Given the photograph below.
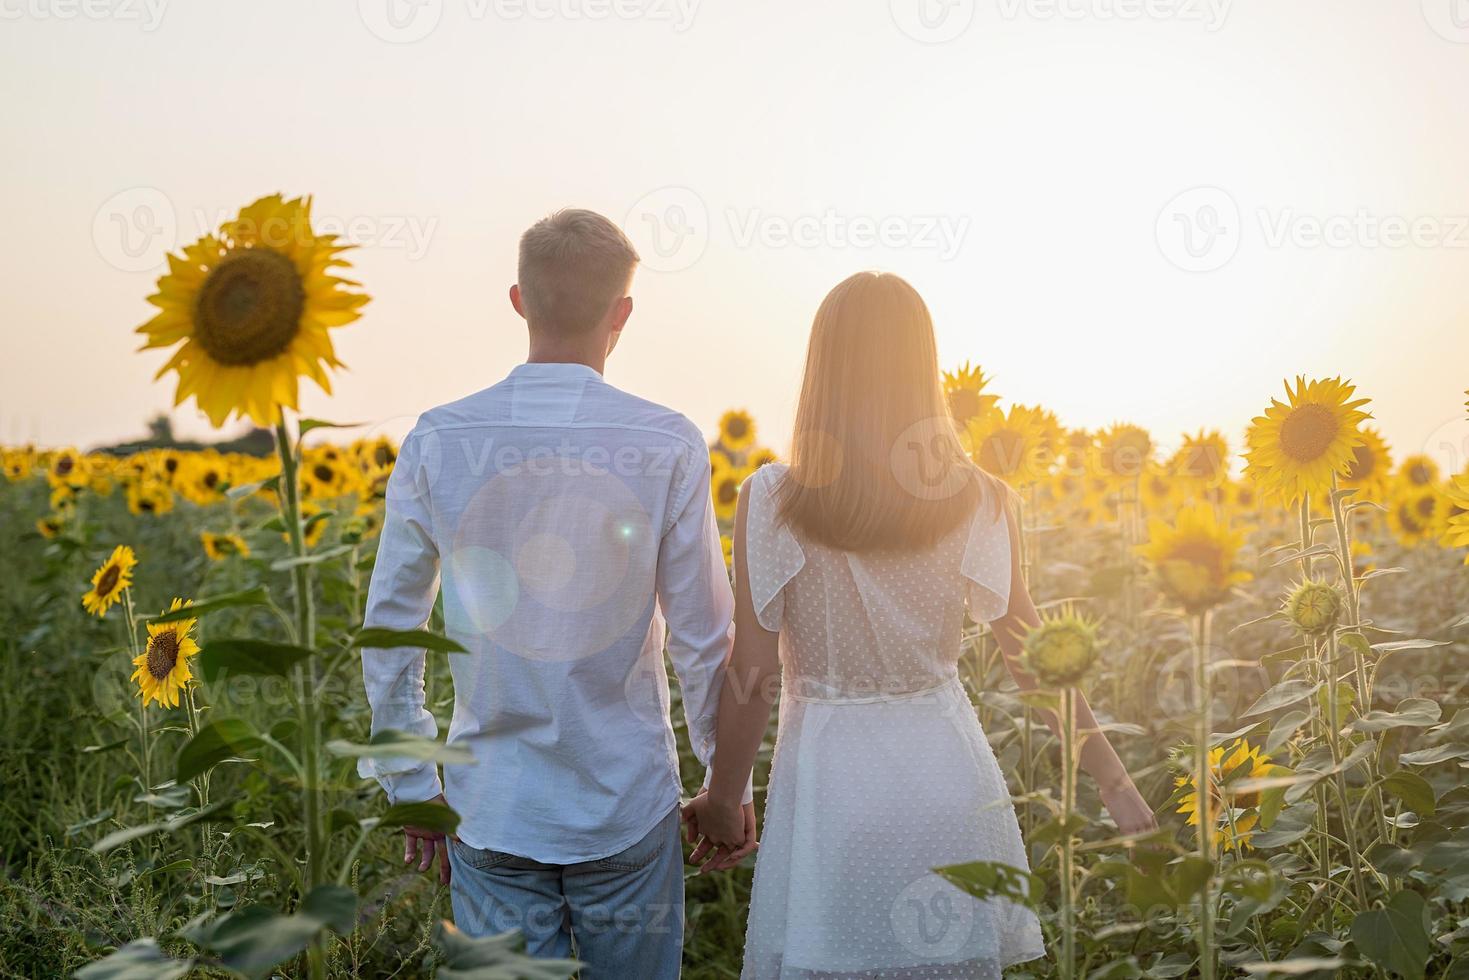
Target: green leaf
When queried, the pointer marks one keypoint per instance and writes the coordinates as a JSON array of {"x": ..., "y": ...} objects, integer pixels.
[
  {"x": 429, "y": 815},
  {"x": 385, "y": 639},
  {"x": 1282, "y": 694},
  {"x": 254, "y": 939},
  {"x": 272, "y": 484},
  {"x": 307, "y": 425},
  {"x": 169, "y": 826},
  {"x": 1395, "y": 937},
  {"x": 1285, "y": 726},
  {"x": 260, "y": 658},
  {"x": 1413, "y": 790},
  {"x": 1295, "y": 966},
  {"x": 1399, "y": 645},
  {"x": 1410, "y": 713},
  {"x": 257, "y": 596},
  {"x": 393, "y": 744},
  {"x": 992, "y": 879},
  {"x": 221, "y": 739},
  {"x": 141, "y": 959},
  {"x": 315, "y": 558},
  {"x": 499, "y": 957}
]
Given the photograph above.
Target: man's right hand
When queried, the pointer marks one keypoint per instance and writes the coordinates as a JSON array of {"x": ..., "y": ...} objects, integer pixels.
[
  {"x": 422, "y": 845},
  {"x": 725, "y": 833}
]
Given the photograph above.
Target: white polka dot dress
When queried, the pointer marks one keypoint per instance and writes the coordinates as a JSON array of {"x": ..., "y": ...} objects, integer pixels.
[{"x": 881, "y": 771}]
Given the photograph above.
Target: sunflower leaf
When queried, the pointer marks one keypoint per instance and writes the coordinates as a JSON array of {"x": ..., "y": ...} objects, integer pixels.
[
  {"x": 1282, "y": 694},
  {"x": 1396, "y": 937},
  {"x": 306, "y": 425},
  {"x": 217, "y": 741},
  {"x": 428, "y": 815},
  {"x": 315, "y": 558},
  {"x": 1413, "y": 790},
  {"x": 141, "y": 959},
  {"x": 257, "y": 596},
  {"x": 393, "y": 744},
  {"x": 260, "y": 658},
  {"x": 385, "y": 639}
]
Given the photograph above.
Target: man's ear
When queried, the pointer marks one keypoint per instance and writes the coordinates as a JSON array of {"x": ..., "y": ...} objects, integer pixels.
[
  {"x": 618, "y": 320},
  {"x": 516, "y": 301}
]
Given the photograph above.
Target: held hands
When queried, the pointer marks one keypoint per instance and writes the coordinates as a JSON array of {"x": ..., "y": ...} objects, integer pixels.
[
  {"x": 723, "y": 832},
  {"x": 427, "y": 844},
  {"x": 1129, "y": 810}
]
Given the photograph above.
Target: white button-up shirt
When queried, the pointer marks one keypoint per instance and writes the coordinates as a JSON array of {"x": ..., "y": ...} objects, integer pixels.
[{"x": 569, "y": 523}]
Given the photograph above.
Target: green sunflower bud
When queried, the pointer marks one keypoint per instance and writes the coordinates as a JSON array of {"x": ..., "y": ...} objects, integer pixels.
[
  {"x": 1314, "y": 607},
  {"x": 1061, "y": 649}
]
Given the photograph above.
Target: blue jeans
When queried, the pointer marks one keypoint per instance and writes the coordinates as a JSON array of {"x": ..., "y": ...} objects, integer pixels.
[{"x": 624, "y": 913}]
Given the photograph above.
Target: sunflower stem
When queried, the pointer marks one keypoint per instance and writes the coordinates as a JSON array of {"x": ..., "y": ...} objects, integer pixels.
[
  {"x": 306, "y": 680},
  {"x": 1068, "y": 842},
  {"x": 127, "y": 599},
  {"x": 1203, "y": 781}
]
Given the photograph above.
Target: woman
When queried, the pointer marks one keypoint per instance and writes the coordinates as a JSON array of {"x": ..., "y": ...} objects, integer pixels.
[{"x": 859, "y": 561}]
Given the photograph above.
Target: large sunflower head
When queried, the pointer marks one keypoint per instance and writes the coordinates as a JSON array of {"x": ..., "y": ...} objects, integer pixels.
[
  {"x": 67, "y": 468},
  {"x": 1456, "y": 525},
  {"x": 110, "y": 581},
  {"x": 1298, "y": 446},
  {"x": 1202, "y": 460},
  {"x": 964, "y": 391},
  {"x": 1018, "y": 446},
  {"x": 1418, "y": 471},
  {"x": 1194, "y": 558},
  {"x": 18, "y": 465},
  {"x": 1415, "y": 514},
  {"x": 1236, "y": 810},
  {"x": 736, "y": 430},
  {"x": 251, "y": 307},
  {"x": 726, "y": 491},
  {"x": 163, "y": 667},
  {"x": 149, "y": 496}
]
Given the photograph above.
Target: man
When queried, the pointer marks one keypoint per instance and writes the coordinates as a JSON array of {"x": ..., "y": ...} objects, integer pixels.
[{"x": 568, "y": 523}]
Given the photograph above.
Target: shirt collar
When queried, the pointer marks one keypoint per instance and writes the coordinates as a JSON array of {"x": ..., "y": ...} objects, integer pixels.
[{"x": 547, "y": 369}]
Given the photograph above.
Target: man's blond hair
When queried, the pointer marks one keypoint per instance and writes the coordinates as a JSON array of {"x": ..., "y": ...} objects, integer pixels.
[{"x": 573, "y": 266}]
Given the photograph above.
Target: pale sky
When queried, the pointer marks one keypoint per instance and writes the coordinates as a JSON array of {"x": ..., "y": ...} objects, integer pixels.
[{"x": 1141, "y": 210}]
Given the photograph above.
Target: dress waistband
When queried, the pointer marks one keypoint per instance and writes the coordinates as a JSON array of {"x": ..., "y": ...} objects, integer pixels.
[{"x": 951, "y": 683}]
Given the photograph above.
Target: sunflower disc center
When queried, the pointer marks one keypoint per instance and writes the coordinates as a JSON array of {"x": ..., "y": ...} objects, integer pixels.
[
  {"x": 1308, "y": 433},
  {"x": 108, "y": 581},
  {"x": 1363, "y": 463},
  {"x": 249, "y": 308},
  {"x": 163, "y": 653}
]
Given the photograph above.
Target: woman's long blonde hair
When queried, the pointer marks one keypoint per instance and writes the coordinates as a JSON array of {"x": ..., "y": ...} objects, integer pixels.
[{"x": 876, "y": 462}]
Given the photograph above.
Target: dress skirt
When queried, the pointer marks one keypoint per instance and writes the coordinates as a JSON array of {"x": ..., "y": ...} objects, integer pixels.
[{"x": 866, "y": 796}]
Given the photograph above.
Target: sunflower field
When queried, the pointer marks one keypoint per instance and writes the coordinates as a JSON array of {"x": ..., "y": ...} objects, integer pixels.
[{"x": 1273, "y": 635}]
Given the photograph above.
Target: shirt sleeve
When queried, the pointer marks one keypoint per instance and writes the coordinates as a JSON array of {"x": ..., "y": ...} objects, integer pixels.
[
  {"x": 697, "y": 603},
  {"x": 405, "y": 583}
]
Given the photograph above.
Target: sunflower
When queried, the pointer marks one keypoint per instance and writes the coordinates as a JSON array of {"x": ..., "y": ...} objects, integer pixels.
[
  {"x": 1296, "y": 447},
  {"x": 149, "y": 497},
  {"x": 1370, "y": 467},
  {"x": 964, "y": 391},
  {"x": 760, "y": 457},
  {"x": 1061, "y": 649},
  {"x": 67, "y": 468},
  {"x": 221, "y": 546},
  {"x": 1018, "y": 447},
  {"x": 1418, "y": 471},
  {"x": 1241, "y": 761},
  {"x": 1414, "y": 514},
  {"x": 252, "y": 306},
  {"x": 736, "y": 430},
  {"x": 163, "y": 668},
  {"x": 324, "y": 476},
  {"x": 1456, "y": 526},
  {"x": 1203, "y": 459},
  {"x": 1160, "y": 492},
  {"x": 375, "y": 455},
  {"x": 1313, "y": 607},
  {"x": 110, "y": 581},
  {"x": 50, "y": 526},
  {"x": 1195, "y": 558},
  {"x": 1123, "y": 451},
  {"x": 1078, "y": 446},
  {"x": 203, "y": 478},
  {"x": 719, "y": 461},
  {"x": 17, "y": 465},
  {"x": 726, "y": 491}
]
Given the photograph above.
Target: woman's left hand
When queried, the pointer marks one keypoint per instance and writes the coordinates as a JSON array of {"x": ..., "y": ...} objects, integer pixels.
[
  {"x": 1129, "y": 810},
  {"x": 725, "y": 832}
]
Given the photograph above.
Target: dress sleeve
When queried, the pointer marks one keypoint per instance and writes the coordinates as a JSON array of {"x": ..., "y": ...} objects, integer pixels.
[
  {"x": 773, "y": 556},
  {"x": 986, "y": 564}
]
